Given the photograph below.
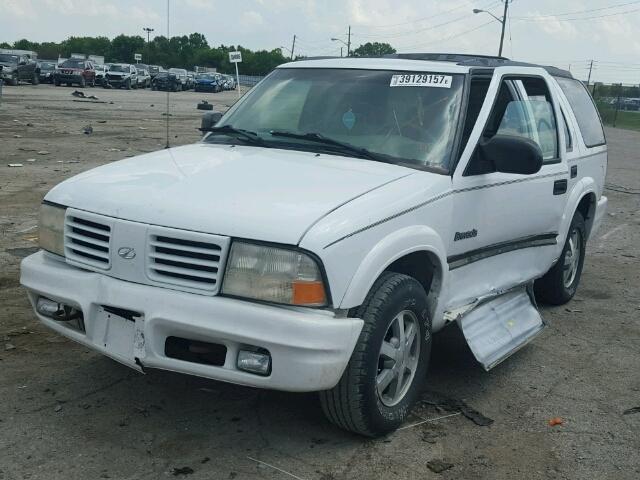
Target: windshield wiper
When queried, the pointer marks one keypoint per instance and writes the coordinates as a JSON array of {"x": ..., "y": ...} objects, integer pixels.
[
  {"x": 342, "y": 146},
  {"x": 247, "y": 135}
]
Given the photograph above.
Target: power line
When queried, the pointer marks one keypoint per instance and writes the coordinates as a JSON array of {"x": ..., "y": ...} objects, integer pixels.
[
  {"x": 579, "y": 12},
  {"x": 451, "y": 37},
  {"x": 417, "y": 20},
  {"x": 547, "y": 18},
  {"x": 419, "y": 30}
]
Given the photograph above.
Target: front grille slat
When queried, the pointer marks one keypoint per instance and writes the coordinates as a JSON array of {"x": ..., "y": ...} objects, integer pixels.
[
  {"x": 88, "y": 241},
  {"x": 187, "y": 259}
]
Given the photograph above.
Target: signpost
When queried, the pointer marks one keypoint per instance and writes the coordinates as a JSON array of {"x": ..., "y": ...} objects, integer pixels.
[
  {"x": 236, "y": 57},
  {"x": 137, "y": 57}
]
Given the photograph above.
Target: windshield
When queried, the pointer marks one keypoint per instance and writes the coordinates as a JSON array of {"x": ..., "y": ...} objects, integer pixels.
[
  {"x": 73, "y": 63},
  {"x": 8, "y": 58},
  {"x": 119, "y": 68},
  {"x": 178, "y": 71},
  {"x": 205, "y": 76},
  {"x": 47, "y": 65},
  {"x": 408, "y": 117}
]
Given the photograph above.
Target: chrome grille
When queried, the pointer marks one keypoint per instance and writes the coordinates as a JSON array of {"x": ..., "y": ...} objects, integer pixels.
[
  {"x": 88, "y": 242},
  {"x": 186, "y": 259}
]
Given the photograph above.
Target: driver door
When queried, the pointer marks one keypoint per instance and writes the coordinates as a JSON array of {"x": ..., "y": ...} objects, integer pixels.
[{"x": 505, "y": 225}]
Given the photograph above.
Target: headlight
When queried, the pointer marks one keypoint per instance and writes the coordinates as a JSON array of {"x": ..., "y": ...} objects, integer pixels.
[
  {"x": 274, "y": 274},
  {"x": 51, "y": 228}
]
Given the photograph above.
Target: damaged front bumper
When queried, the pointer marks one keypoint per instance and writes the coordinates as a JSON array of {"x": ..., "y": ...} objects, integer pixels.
[{"x": 137, "y": 325}]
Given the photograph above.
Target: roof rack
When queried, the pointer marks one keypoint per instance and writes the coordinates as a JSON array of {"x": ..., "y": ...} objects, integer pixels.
[
  {"x": 486, "y": 61},
  {"x": 483, "y": 61}
]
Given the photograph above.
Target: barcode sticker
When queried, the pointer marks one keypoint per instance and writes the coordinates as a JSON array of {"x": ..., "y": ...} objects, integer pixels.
[{"x": 421, "y": 80}]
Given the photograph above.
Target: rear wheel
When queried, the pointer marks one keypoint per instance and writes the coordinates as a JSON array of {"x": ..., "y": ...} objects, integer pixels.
[
  {"x": 35, "y": 80},
  {"x": 83, "y": 82},
  {"x": 388, "y": 366},
  {"x": 14, "y": 80},
  {"x": 127, "y": 85},
  {"x": 560, "y": 283}
]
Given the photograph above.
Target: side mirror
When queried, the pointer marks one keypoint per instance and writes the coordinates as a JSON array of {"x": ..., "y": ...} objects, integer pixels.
[
  {"x": 512, "y": 154},
  {"x": 209, "y": 120}
]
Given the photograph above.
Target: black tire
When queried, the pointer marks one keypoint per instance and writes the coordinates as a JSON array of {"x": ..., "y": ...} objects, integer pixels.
[
  {"x": 127, "y": 85},
  {"x": 36, "y": 79},
  {"x": 354, "y": 404},
  {"x": 14, "y": 80},
  {"x": 553, "y": 287},
  {"x": 83, "y": 82}
]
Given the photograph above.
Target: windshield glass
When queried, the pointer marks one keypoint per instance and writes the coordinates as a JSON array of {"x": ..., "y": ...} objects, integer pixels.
[
  {"x": 73, "y": 63},
  {"x": 47, "y": 65},
  {"x": 205, "y": 76},
  {"x": 8, "y": 58},
  {"x": 119, "y": 68},
  {"x": 408, "y": 117}
]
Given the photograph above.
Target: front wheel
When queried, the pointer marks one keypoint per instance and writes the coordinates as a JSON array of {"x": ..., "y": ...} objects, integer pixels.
[
  {"x": 83, "y": 82},
  {"x": 35, "y": 79},
  {"x": 560, "y": 283},
  {"x": 389, "y": 363}
]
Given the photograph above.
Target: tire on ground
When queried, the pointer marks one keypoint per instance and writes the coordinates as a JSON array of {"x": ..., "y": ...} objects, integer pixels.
[
  {"x": 551, "y": 288},
  {"x": 354, "y": 403}
]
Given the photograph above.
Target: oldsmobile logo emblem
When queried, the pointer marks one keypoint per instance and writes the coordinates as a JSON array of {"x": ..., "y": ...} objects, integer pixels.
[{"x": 127, "y": 252}]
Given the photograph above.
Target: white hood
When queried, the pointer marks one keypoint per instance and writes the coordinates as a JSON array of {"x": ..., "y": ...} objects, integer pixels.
[{"x": 247, "y": 192}]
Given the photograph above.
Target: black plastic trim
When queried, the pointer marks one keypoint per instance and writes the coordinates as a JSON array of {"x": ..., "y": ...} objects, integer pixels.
[{"x": 457, "y": 261}]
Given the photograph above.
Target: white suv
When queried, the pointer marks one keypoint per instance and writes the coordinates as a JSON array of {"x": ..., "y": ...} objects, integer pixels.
[{"x": 337, "y": 216}]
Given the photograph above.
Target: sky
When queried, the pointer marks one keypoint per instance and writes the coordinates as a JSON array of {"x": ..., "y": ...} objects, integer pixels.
[{"x": 567, "y": 34}]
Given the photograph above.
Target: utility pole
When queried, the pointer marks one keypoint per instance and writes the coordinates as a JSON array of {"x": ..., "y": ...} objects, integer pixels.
[
  {"x": 504, "y": 23},
  {"x": 349, "y": 42},
  {"x": 148, "y": 30},
  {"x": 341, "y": 51},
  {"x": 590, "y": 69},
  {"x": 293, "y": 46}
]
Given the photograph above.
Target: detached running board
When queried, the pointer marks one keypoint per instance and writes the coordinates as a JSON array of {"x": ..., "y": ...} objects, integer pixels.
[{"x": 498, "y": 327}]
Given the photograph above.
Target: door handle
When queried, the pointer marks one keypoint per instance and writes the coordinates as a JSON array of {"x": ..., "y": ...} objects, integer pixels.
[
  {"x": 574, "y": 171},
  {"x": 560, "y": 187}
]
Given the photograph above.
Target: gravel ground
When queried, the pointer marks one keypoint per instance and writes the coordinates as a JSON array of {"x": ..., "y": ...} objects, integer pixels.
[{"x": 68, "y": 413}]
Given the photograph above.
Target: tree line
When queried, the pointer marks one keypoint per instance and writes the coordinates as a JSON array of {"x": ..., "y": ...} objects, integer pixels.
[{"x": 186, "y": 51}]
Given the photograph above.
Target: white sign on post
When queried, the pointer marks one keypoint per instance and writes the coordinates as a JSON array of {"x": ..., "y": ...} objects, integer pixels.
[
  {"x": 137, "y": 57},
  {"x": 236, "y": 57}
]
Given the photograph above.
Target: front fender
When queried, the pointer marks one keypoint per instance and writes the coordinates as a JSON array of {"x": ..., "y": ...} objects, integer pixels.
[{"x": 389, "y": 249}]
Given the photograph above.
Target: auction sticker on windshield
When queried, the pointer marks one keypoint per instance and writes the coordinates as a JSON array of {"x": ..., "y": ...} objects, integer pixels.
[{"x": 421, "y": 80}]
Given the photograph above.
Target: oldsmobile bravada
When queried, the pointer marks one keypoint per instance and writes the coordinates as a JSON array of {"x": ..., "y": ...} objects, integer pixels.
[{"x": 334, "y": 219}]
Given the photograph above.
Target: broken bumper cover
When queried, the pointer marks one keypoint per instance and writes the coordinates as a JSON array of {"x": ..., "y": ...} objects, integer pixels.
[{"x": 309, "y": 348}]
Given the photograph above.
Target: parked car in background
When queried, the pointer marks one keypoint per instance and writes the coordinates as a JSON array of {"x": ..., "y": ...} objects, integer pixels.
[
  {"x": 75, "y": 71},
  {"x": 208, "y": 82},
  {"x": 101, "y": 71},
  {"x": 165, "y": 81},
  {"x": 181, "y": 76},
  {"x": 144, "y": 77},
  {"x": 191, "y": 79},
  {"x": 121, "y": 75},
  {"x": 155, "y": 70},
  {"x": 16, "y": 68},
  {"x": 47, "y": 70},
  {"x": 229, "y": 82}
]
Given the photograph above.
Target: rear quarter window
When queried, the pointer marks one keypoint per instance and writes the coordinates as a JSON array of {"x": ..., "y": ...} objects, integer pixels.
[{"x": 584, "y": 110}]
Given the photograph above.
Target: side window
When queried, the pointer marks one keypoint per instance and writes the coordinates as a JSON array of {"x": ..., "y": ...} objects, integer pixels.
[
  {"x": 524, "y": 108},
  {"x": 584, "y": 110}
]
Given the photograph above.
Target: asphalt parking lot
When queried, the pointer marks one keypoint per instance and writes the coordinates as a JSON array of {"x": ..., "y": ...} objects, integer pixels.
[{"x": 68, "y": 413}]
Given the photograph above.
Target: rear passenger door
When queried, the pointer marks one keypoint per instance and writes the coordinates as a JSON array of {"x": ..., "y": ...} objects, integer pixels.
[{"x": 505, "y": 226}]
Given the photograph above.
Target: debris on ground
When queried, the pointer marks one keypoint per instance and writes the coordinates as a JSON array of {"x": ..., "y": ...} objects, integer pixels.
[
  {"x": 631, "y": 411},
  {"x": 204, "y": 105},
  {"x": 88, "y": 130},
  {"x": 78, "y": 94},
  {"x": 15, "y": 165},
  {"x": 9, "y": 346},
  {"x": 57, "y": 408},
  {"x": 556, "y": 421},
  {"x": 454, "y": 405},
  {"x": 182, "y": 471},
  {"x": 43, "y": 152},
  {"x": 31, "y": 159},
  {"x": 17, "y": 136},
  {"x": 439, "y": 466}
]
